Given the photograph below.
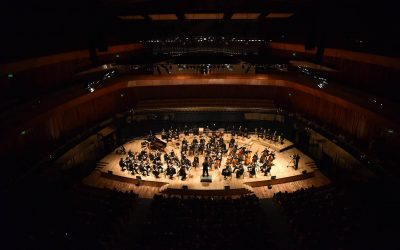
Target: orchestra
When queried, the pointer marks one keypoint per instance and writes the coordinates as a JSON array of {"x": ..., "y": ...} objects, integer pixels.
[{"x": 209, "y": 147}]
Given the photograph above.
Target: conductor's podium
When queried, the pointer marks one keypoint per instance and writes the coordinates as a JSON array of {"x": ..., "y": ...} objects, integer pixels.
[{"x": 206, "y": 178}]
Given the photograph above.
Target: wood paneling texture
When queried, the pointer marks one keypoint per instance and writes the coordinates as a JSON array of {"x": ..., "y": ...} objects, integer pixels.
[
  {"x": 40, "y": 75},
  {"x": 75, "y": 116}
]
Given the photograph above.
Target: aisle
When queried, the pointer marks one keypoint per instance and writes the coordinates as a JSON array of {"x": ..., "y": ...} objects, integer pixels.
[{"x": 280, "y": 228}]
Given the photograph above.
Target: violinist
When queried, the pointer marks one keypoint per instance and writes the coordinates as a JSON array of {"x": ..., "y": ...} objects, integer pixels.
[
  {"x": 239, "y": 171},
  {"x": 252, "y": 169},
  {"x": 195, "y": 163},
  {"x": 171, "y": 171},
  {"x": 130, "y": 154},
  {"x": 182, "y": 172},
  {"x": 122, "y": 164},
  {"x": 143, "y": 168},
  {"x": 156, "y": 170},
  {"x": 227, "y": 171}
]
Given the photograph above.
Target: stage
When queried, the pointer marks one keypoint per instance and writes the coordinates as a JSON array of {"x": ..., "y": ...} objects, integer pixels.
[{"x": 281, "y": 172}]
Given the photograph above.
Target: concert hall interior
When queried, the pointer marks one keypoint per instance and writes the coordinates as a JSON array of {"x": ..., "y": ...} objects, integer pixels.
[{"x": 188, "y": 124}]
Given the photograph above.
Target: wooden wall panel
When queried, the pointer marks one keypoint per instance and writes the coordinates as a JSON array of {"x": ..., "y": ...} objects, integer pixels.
[
  {"x": 35, "y": 76},
  {"x": 75, "y": 116},
  {"x": 373, "y": 74}
]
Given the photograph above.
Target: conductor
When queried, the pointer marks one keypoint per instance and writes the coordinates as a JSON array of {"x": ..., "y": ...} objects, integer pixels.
[{"x": 205, "y": 167}]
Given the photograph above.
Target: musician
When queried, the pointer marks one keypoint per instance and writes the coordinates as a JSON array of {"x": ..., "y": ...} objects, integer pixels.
[
  {"x": 158, "y": 155},
  {"x": 271, "y": 157},
  {"x": 231, "y": 142},
  {"x": 281, "y": 138},
  {"x": 266, "y": 167},
  {"x": 255, "y": 157},
  {"x": 263, "y": 167},
  {"x": 166, "y": 157},
  {"x": 150, "y": 137},
  {"x": 176, "y": 135},
  {"x": 195, "y": 163},
  {"x": 252, "y": 169},
  {"x": 274, "y": 137},
  {"x": 222, "y": 145},
  {"x": 210, "y": 161},
  {"x": 156, "y": 170},
  {"x": 144, "y": 168},
  {"x": 260, "y": 133},
  {"x": 186, "y": 130},
  {"x": 227, "y": 171},
  {"x": 246, "y": 133},
  {"x": 184, "y": 142},
  {"x": 163, "y": 134},
  {"x": 122, "y": 164},
  {"x": 182, "y": 172},
  {"x": 129, "y": 165},
  {"x": 185, "y": 160},
  {"x": 264, "y": 155},
  {"x": 239, "y": 171},
  {"x": 205, "y": 167},
  {"x": 267, "y": 134},
  {"x": 218, "y": 159},
  {"x": 171, "y": 171},
  {"x": 240, "y": 131},
  {"x": 296, "y": 159}
]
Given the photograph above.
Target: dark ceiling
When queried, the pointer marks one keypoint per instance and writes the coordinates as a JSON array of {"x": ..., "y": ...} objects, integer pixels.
[{"x": 35, "y": 28}]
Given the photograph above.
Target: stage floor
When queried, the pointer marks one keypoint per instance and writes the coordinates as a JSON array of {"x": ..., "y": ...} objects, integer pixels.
[{"x": 283, "y": 170}]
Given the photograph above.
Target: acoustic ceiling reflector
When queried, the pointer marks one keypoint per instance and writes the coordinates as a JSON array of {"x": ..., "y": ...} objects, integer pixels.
[
  {"x": 245, "y": 16},
  {"x": 279, "y": 15},
  {"x": 204, "y": 16},
  {"x": 163, "y": 17}
]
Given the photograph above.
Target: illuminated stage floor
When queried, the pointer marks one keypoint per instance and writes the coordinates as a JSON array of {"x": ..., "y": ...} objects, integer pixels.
[{"x": 283, "y": 170}]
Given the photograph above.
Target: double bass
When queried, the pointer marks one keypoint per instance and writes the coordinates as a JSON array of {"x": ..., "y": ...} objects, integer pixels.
[{"x": 247, "y": 160}]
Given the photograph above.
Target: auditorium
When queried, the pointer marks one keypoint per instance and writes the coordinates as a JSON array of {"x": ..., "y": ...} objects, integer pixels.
[{"x": 188, "y": 124}]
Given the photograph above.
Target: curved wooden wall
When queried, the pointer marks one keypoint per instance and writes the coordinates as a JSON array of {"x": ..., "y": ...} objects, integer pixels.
[
  {"x": 371, "y": 73},
  {"x": 65, "y": 118},
  {"x": 40, "y": 75}
]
